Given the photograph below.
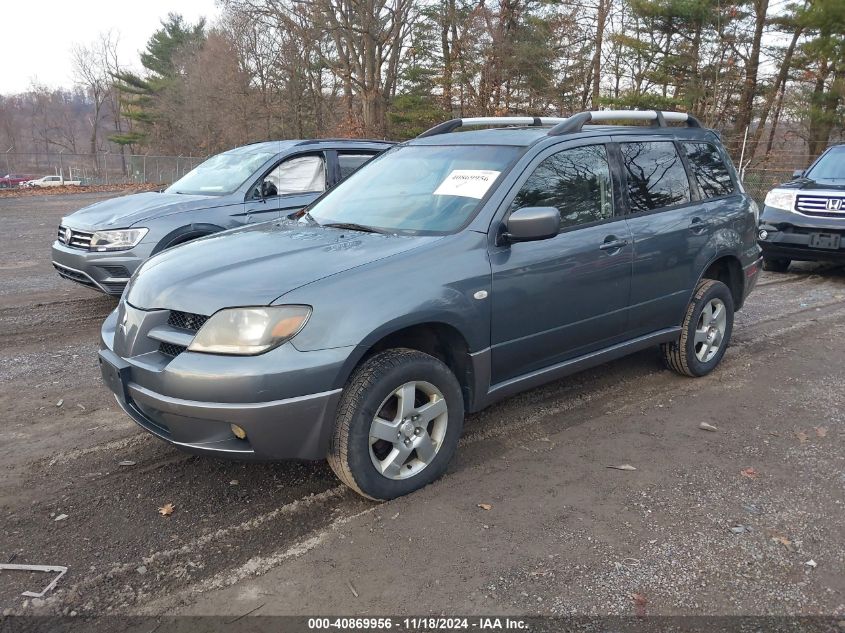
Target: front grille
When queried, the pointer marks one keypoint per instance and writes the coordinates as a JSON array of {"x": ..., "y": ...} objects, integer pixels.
[
  {"x": 74, "y": 275},
  {"x": 116, "y": 271},
  {"x": 76, "y": 239},
  {"x": 821, "y": 205},
  {"x": 169, "y": 349},
  {"x": 114, "y": 287},
  {"x": 186, "y": 320}
]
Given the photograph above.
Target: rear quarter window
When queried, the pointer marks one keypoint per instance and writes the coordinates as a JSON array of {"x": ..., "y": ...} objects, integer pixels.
[
  {"x": 350, "y": 163},
  {"x": 709, "y": 169},
  {"x": 655, "y": 176}
]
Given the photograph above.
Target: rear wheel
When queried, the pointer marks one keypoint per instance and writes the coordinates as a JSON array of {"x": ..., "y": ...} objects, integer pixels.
[
  {"x": 398, "y": 424},
  {"x": 706, "y": 331},
  {"x": 776, "y": 264}
]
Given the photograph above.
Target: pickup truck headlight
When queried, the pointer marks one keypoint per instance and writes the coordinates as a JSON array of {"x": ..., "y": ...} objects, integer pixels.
[
  {"x": 117, "y": 240},
  {"x": 249, "y": 331},
  {"x": 781, "y": 199}
]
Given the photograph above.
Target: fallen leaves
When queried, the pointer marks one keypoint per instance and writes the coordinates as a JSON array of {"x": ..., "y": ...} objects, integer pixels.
[
  {"x": 622, "y": 467},
  {"x": 166, "y": 510},
  {"x": 640, "y": 601},
  {"x": 485, "y": 506},
  {"x": 749, "y": 472},
  {"x": 707, "y": 427},
  {"x": 802, "y": 437},
  {"x": 821, "y": 431},
  {"x": 782, "y": 540}
]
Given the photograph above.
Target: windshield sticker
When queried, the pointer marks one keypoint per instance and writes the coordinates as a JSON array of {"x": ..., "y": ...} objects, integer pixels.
[{"x": 468, "y": 183}]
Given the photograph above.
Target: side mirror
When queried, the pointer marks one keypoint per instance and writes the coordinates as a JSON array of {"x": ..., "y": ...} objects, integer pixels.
[
  {"x": 532, "y": 223},
  {"x": 798, "y": 173}
]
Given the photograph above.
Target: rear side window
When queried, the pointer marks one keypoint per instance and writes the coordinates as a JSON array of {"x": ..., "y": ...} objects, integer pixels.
[
  {"x": 350, "y": 163},
  {"x": 709, "y": 169},
  {"x": 655, "y": 175},
  {"x": 575, "y": 181}
]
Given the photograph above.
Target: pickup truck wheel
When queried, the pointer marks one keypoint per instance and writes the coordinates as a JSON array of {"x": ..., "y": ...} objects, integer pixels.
[
  {"x": 705, "y": 332},
  {"x": 776, "y": 264},
  {"x": 398, "y": 424}
]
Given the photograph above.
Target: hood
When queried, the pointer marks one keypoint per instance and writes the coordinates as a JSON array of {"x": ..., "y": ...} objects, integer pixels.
[
  {"x": 124, "y": 211},
  {"x": 805, "y": 184},
  {"x": 255, "y": 265}
]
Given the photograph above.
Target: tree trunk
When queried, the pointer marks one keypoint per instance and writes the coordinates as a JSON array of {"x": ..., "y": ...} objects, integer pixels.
[
  {"x": 749, "y": 87},
  {"x": 601, "y": 21},
  {"x": 780, "y": 80}
]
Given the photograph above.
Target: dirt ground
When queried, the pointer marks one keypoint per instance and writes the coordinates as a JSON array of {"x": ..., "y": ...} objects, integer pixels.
[{"x": 747, "y": 519}]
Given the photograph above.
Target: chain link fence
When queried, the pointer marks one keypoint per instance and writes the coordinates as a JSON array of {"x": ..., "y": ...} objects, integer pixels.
[
  {"x": 104, "y": 168},
  {"x": 108, "y": 168}
]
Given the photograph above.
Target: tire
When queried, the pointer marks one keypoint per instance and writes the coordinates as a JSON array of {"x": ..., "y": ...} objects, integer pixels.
[
  {"x": 690, "y": 354},
  {"x": 375, "y": 388},
  {"x": 776, "y": 264}
]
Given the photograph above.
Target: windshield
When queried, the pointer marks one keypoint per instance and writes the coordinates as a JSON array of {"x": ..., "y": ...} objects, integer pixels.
[
  {"x": 831, "y": 166},
  {"x": 420, "y": 189},
  {"x": 220, "y": 174}
]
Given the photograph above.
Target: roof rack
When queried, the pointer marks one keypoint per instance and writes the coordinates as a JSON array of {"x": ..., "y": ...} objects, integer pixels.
[
  {"x": 570, "y": 124},
  {"x": 454, "y": 124}
]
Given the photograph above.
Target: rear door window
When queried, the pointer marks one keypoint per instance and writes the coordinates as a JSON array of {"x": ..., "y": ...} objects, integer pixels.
[
  {"x": 350, "y": 163},
  {"x": 655, "y": 175},
  {"x": 709, "y": 169},
  {"x": 576, "y": 181}
]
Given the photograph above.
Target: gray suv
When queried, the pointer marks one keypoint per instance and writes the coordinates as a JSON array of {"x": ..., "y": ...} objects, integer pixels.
[
  {"x": 100, "y": 246},
  {"x": 454, "y": 270}
]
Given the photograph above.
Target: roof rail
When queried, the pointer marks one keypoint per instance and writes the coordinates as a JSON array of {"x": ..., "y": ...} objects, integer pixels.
[
  {"x": 660, "y": 119},
  {"x": 454, "y": 124},
  {"x": 570, "y": 124}
]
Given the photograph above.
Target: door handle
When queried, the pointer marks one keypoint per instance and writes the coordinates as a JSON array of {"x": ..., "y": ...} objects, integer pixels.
[
  {"x": 698, "y": 226},
  {"x": 612, "y": 243}
]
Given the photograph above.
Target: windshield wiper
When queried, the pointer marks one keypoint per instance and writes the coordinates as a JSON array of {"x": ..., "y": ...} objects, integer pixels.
[{"x": 352, "y": 226}]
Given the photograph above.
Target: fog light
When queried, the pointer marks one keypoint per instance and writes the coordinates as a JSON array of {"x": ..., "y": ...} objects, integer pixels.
[
  {"x": 763, "y": 234},
  {"x": 239, "y": 432}
]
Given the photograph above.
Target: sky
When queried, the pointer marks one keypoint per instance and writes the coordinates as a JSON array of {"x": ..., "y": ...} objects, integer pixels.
[{"x": 36, "y": 45}]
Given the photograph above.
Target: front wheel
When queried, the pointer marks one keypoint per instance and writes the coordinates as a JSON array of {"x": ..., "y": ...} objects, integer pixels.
[
  {"x": 398, "y": 424},
  {"x": 705, "y": 332}
]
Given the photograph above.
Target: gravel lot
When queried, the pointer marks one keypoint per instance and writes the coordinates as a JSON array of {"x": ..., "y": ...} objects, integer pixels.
[{"x": 744, "y": 520}]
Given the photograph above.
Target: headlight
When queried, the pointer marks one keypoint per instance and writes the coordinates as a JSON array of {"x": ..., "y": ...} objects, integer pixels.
[
  {"x": 246, "y": 331},
  {"x": 780, "y": 199},
  {"x": 119, "y": 240}
]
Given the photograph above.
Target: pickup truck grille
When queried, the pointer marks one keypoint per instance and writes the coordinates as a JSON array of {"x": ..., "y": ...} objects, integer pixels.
[
  {"x": 821, "y": 205},
  {"x": 75, "y": 238}
]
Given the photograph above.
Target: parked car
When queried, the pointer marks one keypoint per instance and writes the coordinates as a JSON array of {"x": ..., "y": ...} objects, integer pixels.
[
  {"x": 50, "y": 181},
  {"x": 804, "y": 219},
  {"x": 101, "y": 245},
  {"x": 10, "y": 181},
  {"x": 454, "y": 270}
]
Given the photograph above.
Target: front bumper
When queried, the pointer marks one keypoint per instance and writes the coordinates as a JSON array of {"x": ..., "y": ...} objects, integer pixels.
[
  {"x": 285, "y": 400},
  {"x": 106, "y": 272},
  {"x": 789, "y": 234}
]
